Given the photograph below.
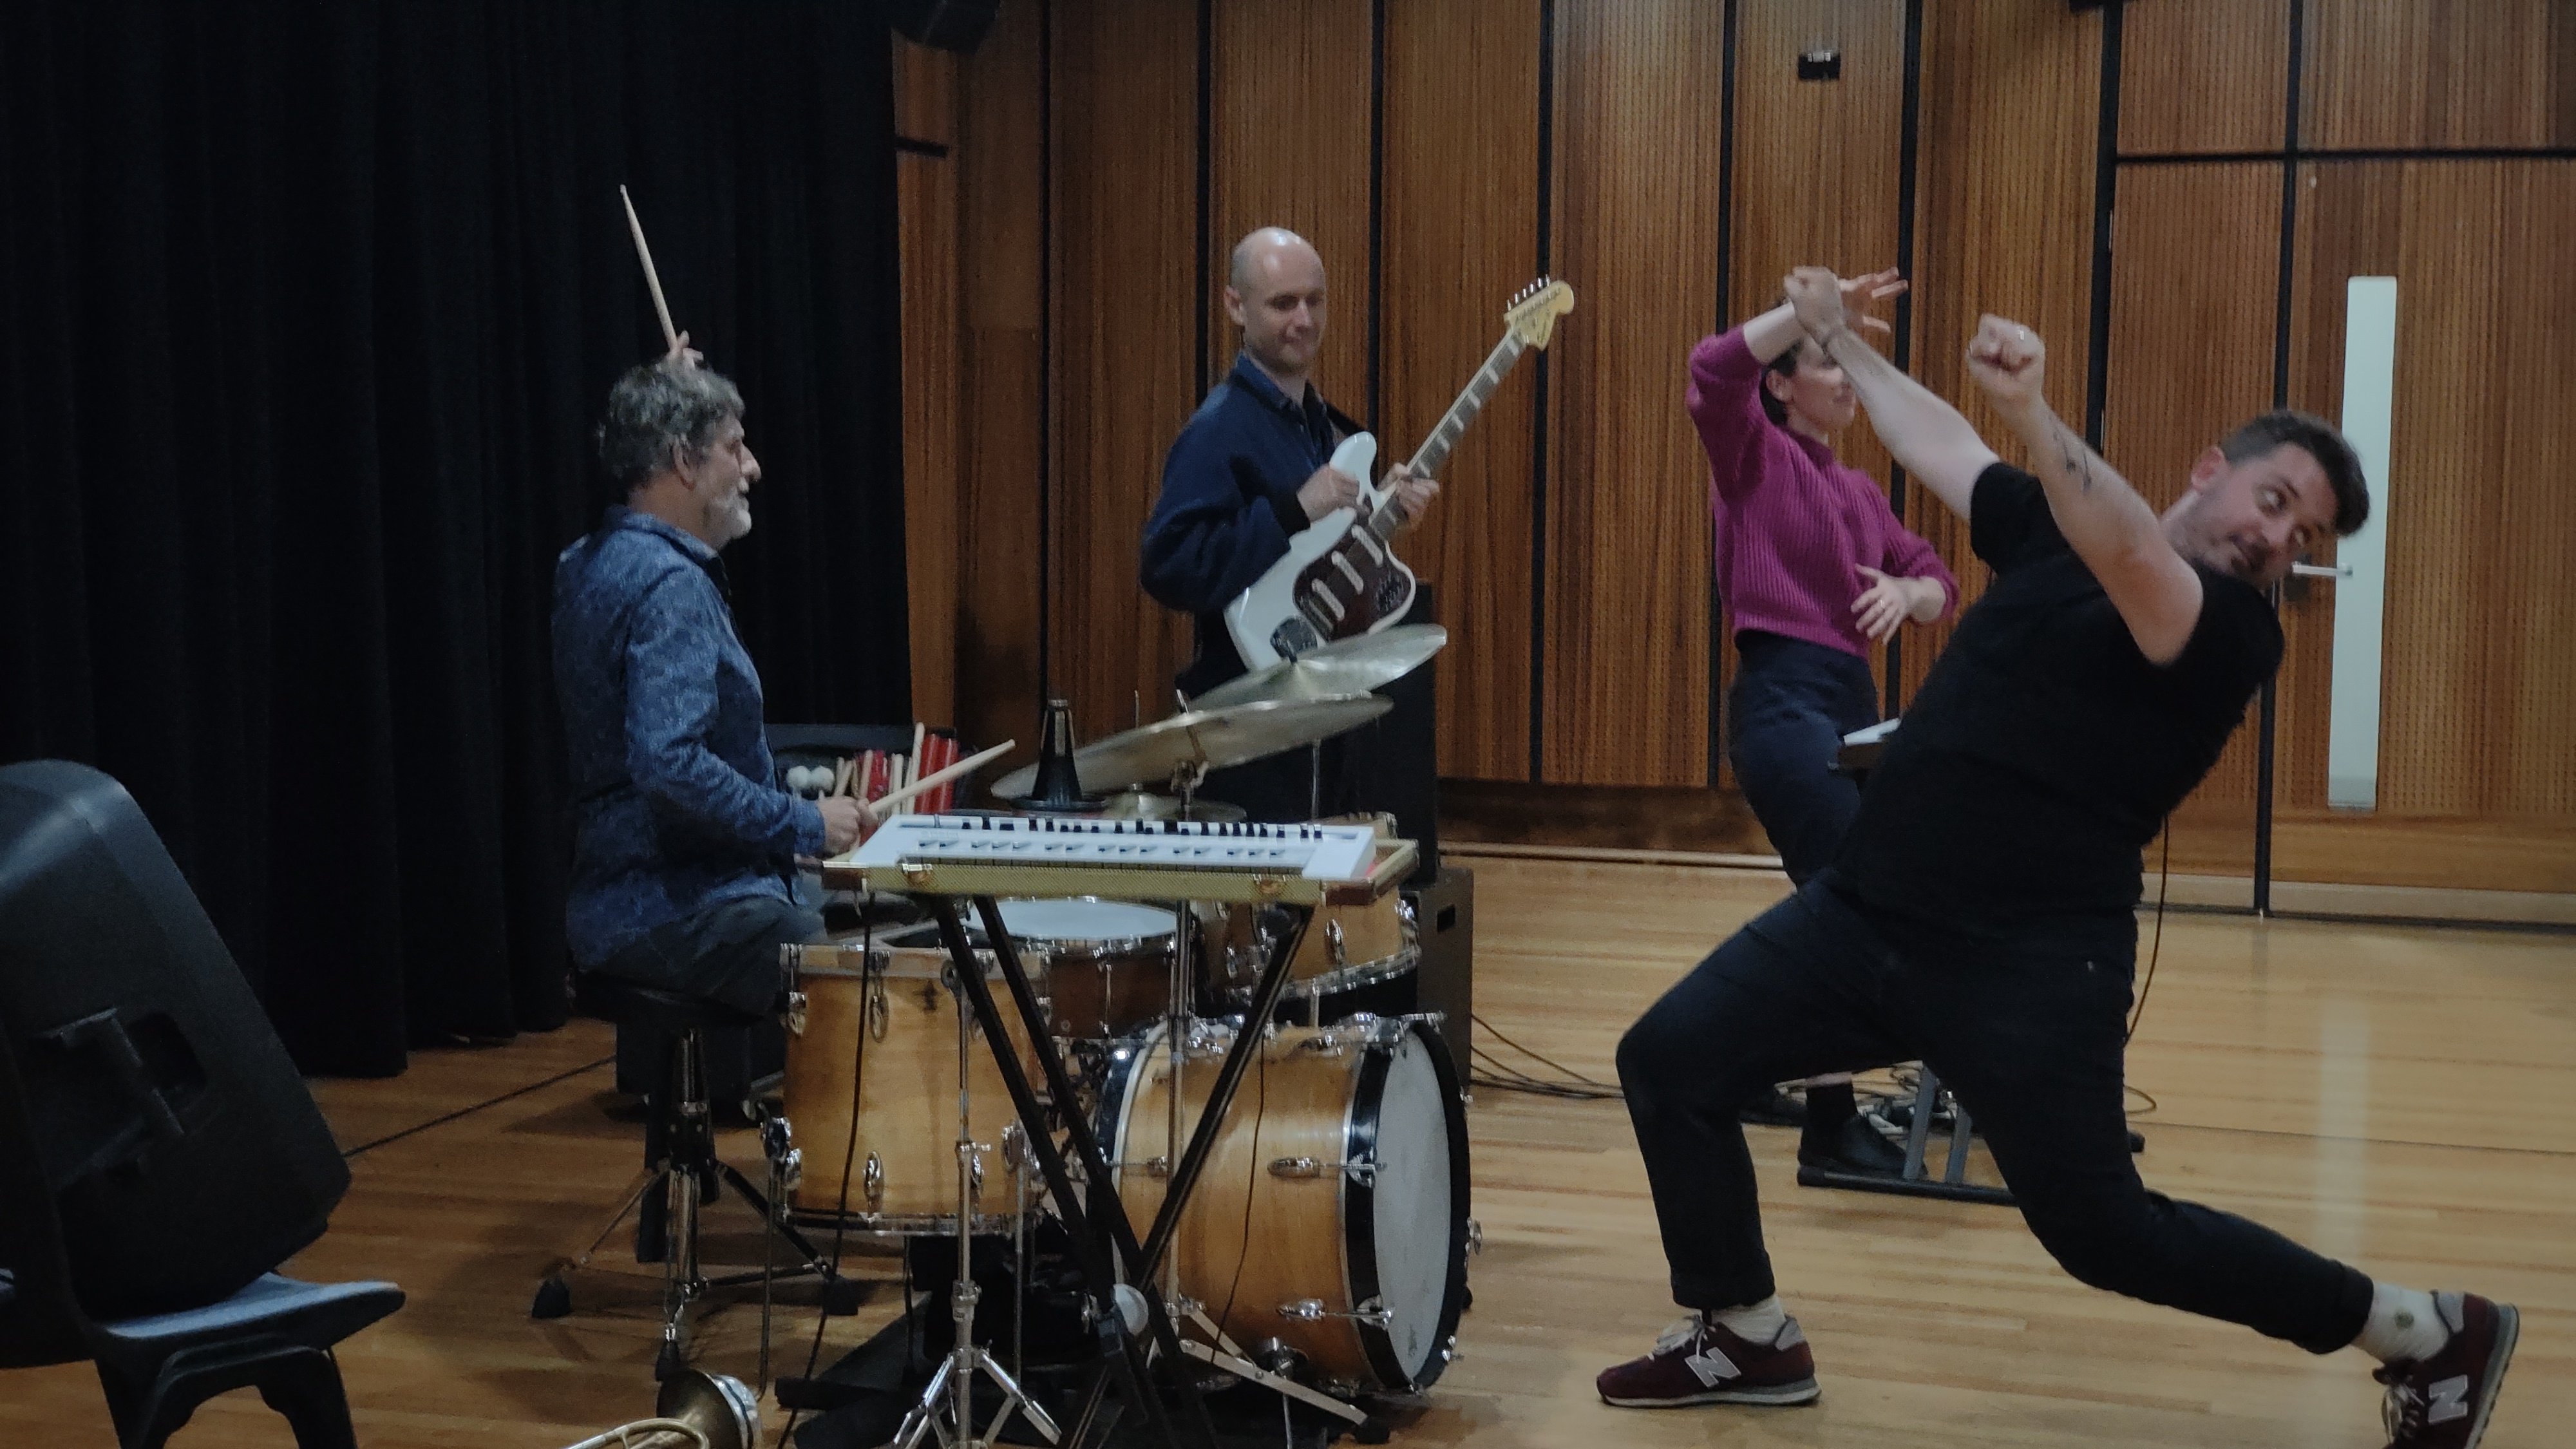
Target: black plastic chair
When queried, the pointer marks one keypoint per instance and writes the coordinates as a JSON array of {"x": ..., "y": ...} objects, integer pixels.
[{"x": 275, "y": 1334}]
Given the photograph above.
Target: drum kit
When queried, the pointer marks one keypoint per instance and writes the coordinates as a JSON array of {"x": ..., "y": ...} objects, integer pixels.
[{"x": 1325, "y": 1257}]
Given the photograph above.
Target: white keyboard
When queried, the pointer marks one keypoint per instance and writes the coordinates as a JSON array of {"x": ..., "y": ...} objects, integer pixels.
[{"x": 1315, "y": 852}]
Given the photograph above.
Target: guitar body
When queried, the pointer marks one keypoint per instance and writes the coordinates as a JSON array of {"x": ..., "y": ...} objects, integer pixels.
[{"x": 1335, "y": 583}]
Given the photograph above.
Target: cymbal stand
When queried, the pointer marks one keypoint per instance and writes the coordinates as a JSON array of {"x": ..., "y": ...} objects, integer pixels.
[
  {"x": 955, "y": 1378},
  {"x": 1095, "y": 1238},
  {"x": 1098, "y": 1238}
]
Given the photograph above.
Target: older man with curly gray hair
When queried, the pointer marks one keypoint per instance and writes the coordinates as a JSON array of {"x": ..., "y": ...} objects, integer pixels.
[{"x": 684, "y": 845}]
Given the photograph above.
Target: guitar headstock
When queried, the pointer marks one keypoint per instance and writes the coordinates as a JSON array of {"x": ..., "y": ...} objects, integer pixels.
[{"x": 1532, "y": 315}]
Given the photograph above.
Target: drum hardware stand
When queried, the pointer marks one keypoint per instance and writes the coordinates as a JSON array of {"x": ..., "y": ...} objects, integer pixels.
[
  {"x": 1123, "y": 1356},
  {"x": 1916, "y": 1179},
  {"x": 1095, "y": 1240},
  {"x": 955, "y": 1379}
]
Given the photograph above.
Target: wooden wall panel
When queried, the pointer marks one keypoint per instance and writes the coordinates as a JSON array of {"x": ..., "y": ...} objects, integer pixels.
[
  {"x": 926, "y": 207},
  {"x": 1636, "y": 230},
  {"x": 2407, "y": 74},
  {"x": 2478, "y": 695},
  {"x": 1290, "y": 121},
  {"x": 1460, "y": 236},
  {"x": 2003, "y": 221},
  {"x": 1125, "y": 328},
  {"x": 2198, "y": 76},
  {"x": 2193, "y": 282},
  {"x": 1002, "y": 379},
  {"x": 1796, "y": 143}
]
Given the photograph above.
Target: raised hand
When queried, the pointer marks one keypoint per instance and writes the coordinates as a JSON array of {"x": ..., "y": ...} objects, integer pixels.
[
  {"x": 1816, "y": 295},
  {"x": 1861, "y": 293},
  {"x": 2008, "y": 361}
]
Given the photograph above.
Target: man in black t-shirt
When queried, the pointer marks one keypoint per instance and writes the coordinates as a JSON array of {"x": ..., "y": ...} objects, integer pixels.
[{"x": 1980, "y": 913}]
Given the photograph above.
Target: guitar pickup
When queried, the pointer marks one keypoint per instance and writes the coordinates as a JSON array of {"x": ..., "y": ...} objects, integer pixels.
[
  {"x": 1358, "y": 583},
  {"x": 1362, "y": 537},
  {"x": 1324, "y": 597}
]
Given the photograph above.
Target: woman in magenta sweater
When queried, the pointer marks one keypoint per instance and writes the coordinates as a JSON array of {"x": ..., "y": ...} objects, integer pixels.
[{"x": 1812, "y": 569}]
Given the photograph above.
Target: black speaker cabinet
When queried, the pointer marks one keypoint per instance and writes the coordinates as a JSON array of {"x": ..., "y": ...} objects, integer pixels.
[
  {"x": 1444, "y": 922},
  {"x": 183, "y": 1152}
]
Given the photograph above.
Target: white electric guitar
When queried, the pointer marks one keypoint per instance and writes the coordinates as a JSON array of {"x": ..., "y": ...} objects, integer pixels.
[{"x": 1341, "y": 576}]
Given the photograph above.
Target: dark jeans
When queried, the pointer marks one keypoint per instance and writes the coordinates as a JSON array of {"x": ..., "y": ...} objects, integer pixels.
[
  {"x": 727, "y": 953},
  {"x": 2030, "y": 1042},
  {"x": 1791, "y": 705}
]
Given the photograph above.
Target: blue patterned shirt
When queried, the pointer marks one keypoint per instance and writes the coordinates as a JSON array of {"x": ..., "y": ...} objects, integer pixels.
[{"x": 675, "y": 804}]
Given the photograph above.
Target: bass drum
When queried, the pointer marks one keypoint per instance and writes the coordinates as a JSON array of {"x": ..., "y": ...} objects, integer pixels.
[{"x": 1332, "y": 1213}]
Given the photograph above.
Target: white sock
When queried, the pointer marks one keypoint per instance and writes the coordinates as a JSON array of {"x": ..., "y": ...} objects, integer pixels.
[
  {"x": 2404, "y": 1326},
  {"x": 1759, "y": 1323}
]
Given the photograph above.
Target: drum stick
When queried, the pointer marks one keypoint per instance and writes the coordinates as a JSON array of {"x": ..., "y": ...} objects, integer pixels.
[
  {"x": 644, "y": 254},
  {"x": 841, "y": 774},
  {"x": 884, "y": 807},
  {"x": 912, "y": 762}
]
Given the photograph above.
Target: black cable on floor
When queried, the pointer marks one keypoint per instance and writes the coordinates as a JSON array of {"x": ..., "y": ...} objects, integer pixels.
[{"x": 477, "y": 1107}]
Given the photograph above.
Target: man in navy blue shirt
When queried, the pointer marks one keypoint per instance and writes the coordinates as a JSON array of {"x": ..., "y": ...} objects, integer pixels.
[
  {"x": 684, "y": 847},
  {"x": 1248, "y": 470}
]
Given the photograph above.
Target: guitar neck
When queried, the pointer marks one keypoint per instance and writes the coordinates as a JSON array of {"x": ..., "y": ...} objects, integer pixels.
[{"x": 1471, "y": 401}]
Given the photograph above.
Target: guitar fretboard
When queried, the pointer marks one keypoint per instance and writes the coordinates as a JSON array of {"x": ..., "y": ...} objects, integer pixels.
[{"x": 1383, "y": 520}]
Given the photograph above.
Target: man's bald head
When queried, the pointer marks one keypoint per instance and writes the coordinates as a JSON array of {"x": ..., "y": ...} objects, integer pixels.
[
  {"x": 1264, "y": 249},
  {"x": 1275, "y": 292}
]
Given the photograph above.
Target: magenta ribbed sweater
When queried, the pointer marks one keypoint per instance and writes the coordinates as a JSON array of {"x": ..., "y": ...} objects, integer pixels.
[{"x": 1793, "y": 522}]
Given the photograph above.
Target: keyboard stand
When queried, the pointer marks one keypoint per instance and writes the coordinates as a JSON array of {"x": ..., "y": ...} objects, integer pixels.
[{"x": 1098, "y": 1222}]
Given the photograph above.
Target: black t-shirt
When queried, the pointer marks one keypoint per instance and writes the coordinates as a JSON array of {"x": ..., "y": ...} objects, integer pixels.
[{"x": 2044, "y": 751}]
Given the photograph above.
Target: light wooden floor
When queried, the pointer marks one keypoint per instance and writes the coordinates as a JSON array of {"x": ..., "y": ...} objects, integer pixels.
[{"x": 2405, "y": 1098}]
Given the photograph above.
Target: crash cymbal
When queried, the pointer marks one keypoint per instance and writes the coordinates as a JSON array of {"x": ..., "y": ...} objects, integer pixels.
[
  {"x": 1346, "y": 666},
  {"x": 1212, "y": 738}
]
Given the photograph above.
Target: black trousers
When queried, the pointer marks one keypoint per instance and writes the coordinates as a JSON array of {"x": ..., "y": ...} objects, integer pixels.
[
  {"x": 1786, "y": 715},
  {"x": 2031, "y": 1043}
]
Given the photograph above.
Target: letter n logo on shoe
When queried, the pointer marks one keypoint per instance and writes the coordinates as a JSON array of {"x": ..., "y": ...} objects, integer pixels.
[
  {"x": 2450, "y": 1399},
  {"x": 1712, "y": 1365}
]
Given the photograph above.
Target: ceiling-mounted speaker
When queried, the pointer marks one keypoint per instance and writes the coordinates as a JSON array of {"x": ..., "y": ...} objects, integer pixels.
[{"x": 958, "y": 25}]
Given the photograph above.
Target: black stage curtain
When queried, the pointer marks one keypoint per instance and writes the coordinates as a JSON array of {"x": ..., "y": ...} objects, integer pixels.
[{"x": 307, "y": 309}]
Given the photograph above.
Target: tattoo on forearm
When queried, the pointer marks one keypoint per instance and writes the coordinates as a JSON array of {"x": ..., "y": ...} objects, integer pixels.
[{"x": 2077, "y": 457}]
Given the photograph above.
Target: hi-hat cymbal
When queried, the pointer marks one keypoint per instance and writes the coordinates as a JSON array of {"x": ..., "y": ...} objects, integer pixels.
[
  {"x": 1146, "y": 805},
  {"x": 1346, "y": 666},
  {"x": 1213, "y": 738}
]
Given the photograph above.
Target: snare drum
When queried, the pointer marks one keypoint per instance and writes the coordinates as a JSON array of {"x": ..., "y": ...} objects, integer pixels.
[
  {"x": 1107, "y": 964},
  {"x": 1346, "y": 1153},
  {"x": 882, "y": 1030}
]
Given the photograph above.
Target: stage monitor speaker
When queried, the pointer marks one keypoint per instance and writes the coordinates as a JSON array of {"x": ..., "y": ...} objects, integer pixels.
[
  {"x": 1444, "y": 925},
  {"x": 183, "y": 1152},
  {"x": 959, "y": 25}
]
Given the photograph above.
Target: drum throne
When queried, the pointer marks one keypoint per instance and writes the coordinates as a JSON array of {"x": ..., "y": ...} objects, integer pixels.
[{"x": 682, "y": 1175}]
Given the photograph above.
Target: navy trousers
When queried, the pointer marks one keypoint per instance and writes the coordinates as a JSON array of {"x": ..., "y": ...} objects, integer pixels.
[
  {"x": 2032, "y": 1043},
  {"x": 1791, "y": 705}
]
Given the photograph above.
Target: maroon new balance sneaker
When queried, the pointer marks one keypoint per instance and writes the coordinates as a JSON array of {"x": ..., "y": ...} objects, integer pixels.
[
  {"x": 1699, "y": 1362},
  {"x": 2443, "y": 1402}
]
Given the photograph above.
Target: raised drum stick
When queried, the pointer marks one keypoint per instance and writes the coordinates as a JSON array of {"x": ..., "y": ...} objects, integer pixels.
[
  {"x": 652, "y": 279},
  {"x": 884, "y": 807}
]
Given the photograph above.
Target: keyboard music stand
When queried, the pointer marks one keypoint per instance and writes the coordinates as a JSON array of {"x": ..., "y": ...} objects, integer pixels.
[{"x": 1099, "y": 1225}]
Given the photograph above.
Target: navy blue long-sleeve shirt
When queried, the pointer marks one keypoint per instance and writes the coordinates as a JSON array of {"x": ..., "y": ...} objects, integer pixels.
[
  {"x": 675, "y": 801},
  {"x": 1229, "y": 504}
]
